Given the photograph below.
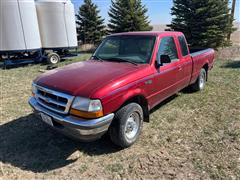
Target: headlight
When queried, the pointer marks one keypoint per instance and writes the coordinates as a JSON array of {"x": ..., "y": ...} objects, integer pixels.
[
  {"x": 85, "y": 104},
  {"x": 86, "y": 108},
  {"x": 34, "y": 89}
]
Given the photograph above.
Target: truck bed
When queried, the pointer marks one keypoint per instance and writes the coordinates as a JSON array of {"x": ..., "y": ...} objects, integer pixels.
[
  {"x": 196, "y": 52},
  {"x": 199, "y": 57}
]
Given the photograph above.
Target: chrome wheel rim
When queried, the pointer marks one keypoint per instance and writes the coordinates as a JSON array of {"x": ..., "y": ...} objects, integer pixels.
[
  {"x": 54, "y": 59},
  {"x": 202, "y": 81},
  {"x": 132, "y": 126}
]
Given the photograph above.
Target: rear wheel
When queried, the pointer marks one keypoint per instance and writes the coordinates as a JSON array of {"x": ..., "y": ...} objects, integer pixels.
[
  {"x": 127, "y": 125},
  {"x": 199, "y": 85}
]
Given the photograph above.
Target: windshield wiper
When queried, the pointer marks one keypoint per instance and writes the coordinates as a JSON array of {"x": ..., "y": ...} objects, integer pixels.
[
  {"x": 122, "y": 60},
  {"x": 97, "y": 58}
]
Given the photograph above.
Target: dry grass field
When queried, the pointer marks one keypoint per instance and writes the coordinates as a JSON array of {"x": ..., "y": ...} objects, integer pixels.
[
  {"x": 236, "y": 38},
  {"x": 190, "y": 136}
]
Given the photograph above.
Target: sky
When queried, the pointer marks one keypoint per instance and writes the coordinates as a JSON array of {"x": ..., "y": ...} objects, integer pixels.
[{"x": 158, "y": 10}]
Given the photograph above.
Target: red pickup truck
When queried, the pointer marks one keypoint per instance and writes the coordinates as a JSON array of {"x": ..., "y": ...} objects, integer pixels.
[{"x": 128, "y": 75}]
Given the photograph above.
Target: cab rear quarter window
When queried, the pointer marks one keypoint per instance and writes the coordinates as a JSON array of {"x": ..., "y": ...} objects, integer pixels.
[{"x": 183, "y": 45}]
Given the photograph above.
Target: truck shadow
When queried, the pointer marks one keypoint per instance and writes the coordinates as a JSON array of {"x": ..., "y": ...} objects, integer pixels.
[
  {"x": 29, "y": 144},
  {"x": 163, "y": 103},
  {"x": 232, "y": 64}
]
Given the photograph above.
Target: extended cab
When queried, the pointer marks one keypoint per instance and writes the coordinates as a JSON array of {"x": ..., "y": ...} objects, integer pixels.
[{"x": 128, "y": 75}]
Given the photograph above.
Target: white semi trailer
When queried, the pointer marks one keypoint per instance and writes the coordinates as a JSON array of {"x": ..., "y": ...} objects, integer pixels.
[{"x": 36, "y": 30}]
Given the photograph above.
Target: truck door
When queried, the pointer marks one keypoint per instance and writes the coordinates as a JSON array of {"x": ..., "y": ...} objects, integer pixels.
[
  {"x": 186, "y": 62},
  {"x": 167, "y": 77}
]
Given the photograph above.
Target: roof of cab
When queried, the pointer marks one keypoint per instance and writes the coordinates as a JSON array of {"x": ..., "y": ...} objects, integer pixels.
[{"x": 148, "y": 33}]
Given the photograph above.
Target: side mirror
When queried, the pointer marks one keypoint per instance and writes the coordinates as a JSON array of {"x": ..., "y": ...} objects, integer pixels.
[
  {"x": 165, "y": 59},
  {"x": 157, "y": 64}
]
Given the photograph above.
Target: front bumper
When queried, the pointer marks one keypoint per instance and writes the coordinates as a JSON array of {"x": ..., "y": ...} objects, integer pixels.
[{"x": 81, "y": 129}]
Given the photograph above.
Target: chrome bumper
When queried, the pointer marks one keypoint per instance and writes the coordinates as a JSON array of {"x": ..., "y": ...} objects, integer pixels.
[{"x": 75, "y": 127}]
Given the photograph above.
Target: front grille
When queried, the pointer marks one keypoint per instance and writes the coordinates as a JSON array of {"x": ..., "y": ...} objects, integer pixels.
[{"x": 53, "y": 100}]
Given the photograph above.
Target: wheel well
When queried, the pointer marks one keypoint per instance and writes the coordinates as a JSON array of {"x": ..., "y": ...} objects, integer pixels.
[
  {"x": 142, "y": 101},
  {"x": 206, "y": 69}
]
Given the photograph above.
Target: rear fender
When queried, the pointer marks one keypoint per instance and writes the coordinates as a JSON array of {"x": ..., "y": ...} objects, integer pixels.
[{"x": 197, "y": 66}]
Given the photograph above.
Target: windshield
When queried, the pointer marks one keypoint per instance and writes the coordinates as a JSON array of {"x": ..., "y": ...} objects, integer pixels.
[{"x": 126, "y": 48}]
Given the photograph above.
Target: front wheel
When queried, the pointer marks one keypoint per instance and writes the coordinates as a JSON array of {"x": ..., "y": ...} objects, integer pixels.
[
  {"x": 199, "y": 85},
  {"x": 127, "y": 125}
]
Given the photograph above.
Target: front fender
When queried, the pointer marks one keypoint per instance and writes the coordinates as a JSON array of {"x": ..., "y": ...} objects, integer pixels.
[{"x": 113, "y": 103}]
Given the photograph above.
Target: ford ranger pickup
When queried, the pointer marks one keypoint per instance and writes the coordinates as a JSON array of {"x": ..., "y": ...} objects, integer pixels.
[{"x": 114, "y": 91}]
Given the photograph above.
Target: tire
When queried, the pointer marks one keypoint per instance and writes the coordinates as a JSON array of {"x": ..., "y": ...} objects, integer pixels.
[
  {"x": 127, "y": 125},
  {"x": 53, "y": 58},
  {"x": 200, "y": 84}
]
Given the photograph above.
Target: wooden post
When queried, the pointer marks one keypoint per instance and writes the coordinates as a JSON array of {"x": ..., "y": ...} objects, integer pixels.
[{"x": 232, "y": 16}]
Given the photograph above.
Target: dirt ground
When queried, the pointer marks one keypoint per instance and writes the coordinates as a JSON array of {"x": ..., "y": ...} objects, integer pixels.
[{"x": 190, "y": 136}]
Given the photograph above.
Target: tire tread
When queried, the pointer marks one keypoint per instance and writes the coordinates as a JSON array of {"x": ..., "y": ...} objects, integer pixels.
[{"x": 118, "y": 124}]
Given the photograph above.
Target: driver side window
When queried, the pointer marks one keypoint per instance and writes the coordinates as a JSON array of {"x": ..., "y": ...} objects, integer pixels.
[{"x": 168, "y": 47}]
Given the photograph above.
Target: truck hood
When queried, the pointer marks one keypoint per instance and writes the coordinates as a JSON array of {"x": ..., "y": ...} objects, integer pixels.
[{"x": 83, "y": 78}]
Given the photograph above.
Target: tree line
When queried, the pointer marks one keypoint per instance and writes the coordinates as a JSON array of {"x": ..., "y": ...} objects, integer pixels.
[{"x": 205, "y": 23}]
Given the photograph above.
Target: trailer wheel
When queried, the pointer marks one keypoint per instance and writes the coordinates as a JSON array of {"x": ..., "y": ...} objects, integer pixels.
[{"x": 53, "y": 58}]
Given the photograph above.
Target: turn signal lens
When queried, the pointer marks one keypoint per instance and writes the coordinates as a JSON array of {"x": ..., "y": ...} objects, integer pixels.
[{"x": 88, "y": 115}]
